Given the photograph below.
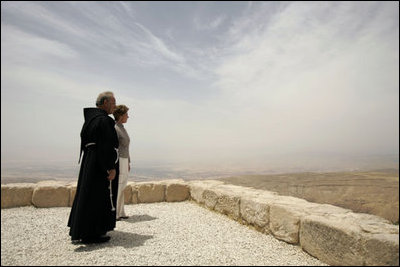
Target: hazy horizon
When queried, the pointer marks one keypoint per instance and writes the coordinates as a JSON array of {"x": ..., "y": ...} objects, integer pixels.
[
  {"x": 34, "y": 170},
  {"x": 228, "y": 86}
]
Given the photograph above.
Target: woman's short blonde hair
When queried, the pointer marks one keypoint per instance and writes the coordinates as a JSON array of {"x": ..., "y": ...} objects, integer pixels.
[{"x": 119, "y": 111}]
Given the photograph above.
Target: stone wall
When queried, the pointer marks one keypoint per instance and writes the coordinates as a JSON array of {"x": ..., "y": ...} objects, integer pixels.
[{"x": 335, "y": 235}]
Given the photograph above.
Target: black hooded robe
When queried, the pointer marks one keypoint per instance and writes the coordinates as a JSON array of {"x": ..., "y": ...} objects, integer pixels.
[{"x": 91, "y": 213}]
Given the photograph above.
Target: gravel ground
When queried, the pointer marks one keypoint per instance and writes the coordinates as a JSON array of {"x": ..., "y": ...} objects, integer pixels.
[{"x": 181, "y": 233}]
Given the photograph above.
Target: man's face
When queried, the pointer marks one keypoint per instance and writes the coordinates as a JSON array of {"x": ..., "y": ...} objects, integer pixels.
[{"x": 110, "y": 105}]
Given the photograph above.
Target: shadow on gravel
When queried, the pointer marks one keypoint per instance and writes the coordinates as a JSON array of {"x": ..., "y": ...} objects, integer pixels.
[
  {"x": 139, "y": 218},
  {"x": 118, "y": 239}
]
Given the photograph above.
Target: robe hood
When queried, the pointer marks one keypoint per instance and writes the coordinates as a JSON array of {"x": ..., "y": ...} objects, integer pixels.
[{"x": 90, "y": 113}]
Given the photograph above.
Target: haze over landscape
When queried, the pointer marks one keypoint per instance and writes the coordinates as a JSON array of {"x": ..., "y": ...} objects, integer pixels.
[{"x": 214, "y": 88}]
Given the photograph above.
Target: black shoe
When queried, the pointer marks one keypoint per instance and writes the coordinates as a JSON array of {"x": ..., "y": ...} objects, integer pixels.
[
  {"x": 97, "y": 239},
  {"x": 75, "y": 241}
]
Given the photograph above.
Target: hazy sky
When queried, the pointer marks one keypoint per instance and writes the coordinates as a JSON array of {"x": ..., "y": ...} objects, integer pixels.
[{"x": 204, "y": 81}]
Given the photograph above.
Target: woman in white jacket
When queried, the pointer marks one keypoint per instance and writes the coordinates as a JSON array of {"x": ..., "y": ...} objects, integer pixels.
[{"x": 121, "y": 116}]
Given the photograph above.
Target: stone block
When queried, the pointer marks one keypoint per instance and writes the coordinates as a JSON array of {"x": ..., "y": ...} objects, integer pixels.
[
  {"x": 284, "y": 222},
  {"x": 176, "y": 192},
  {"x": 284, "y": 217},
  {"x": 51, "y": 194},
  {"x": 197, "y": 188},
  {"x": 333, "y": 241},
  {"x": 338, "y": 236},
  {"x": 226, "y": 199},
  {"x": 254, "y": 208},
  {"x": 149, "y": 192},
  {"x": 16, "y": 194},
  {"x": 255, "y": 211},
  {"x": 381, "y": 249},
  {"x": 209, "y": 197},
  {"x": 379, "y": 239},
  {"x": 229, "y": 199},
  {"x": 228, "y": 203}
]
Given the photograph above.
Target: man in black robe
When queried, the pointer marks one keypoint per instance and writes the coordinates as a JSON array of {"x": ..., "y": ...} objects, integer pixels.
[{"x": 93, "y": 213}]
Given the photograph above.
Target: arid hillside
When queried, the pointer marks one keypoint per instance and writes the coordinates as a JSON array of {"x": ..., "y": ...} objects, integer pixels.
[{"x": 373, "y": 192}]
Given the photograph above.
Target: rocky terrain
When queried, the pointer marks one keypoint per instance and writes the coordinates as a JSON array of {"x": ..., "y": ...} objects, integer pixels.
[{"x": 373, "y": 192}]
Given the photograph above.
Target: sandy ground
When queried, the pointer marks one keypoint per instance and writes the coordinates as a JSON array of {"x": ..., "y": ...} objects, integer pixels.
[{"x": 373, "y": 192}]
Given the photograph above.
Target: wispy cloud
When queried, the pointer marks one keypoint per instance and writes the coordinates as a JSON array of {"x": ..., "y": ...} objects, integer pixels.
[
  {"x": 155, "y": 45},
  {"x": 309, "y": 77},
  {"x": 201, "y": 24},
  {"x": 98, "y": 35},
  {"x": 32, "y": 48}
]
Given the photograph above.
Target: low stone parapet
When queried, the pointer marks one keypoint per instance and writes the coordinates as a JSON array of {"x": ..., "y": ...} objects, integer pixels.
[
  {"x": 335, "y": 235},
  {"x": 156, "y": 191}
]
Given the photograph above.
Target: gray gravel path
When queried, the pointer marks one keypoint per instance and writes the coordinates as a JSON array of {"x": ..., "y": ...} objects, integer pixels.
[{"x": 181, "y": 233}]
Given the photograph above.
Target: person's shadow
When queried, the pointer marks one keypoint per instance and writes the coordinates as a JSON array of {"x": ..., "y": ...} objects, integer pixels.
[
  {"x": 119, "y": 238},
  {"x": 139, "y": 218}
]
